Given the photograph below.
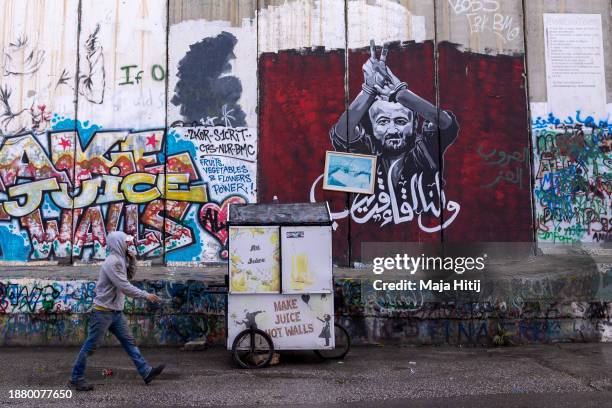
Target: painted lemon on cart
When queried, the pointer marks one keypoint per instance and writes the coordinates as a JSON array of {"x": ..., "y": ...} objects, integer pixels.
[{"x": 254, "y": 255}]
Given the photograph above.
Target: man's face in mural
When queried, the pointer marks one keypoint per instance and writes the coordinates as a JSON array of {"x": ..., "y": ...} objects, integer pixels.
[{"x": 391, "y": 125}]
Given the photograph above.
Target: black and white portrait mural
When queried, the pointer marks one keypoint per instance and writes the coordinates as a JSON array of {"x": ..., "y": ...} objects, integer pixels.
[{"x": 409, "y": 136}]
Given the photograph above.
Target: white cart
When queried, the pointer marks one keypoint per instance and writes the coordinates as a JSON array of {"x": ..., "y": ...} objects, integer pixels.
[{"x": 280, "y": 283}]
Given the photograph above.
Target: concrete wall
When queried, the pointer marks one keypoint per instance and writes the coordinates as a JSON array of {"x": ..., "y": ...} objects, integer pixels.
[
  {"x": 152, "y": 116},
  {"x": 43, "y": 312},
  {"x": 571, "y": 150},
  {"x": 549, "y": 308}
]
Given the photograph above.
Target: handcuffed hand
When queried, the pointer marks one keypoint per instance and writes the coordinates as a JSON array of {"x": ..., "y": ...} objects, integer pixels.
[
  {"x": 375, "y": 71},
  {"x": 379, "y": 80}
]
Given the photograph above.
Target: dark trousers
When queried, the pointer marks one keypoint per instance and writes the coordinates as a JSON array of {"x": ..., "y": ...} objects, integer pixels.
[{"x": 100, "y": 323}]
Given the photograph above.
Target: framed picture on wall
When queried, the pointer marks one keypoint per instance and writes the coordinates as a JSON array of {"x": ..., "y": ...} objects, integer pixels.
[{"x": 349, "y": 172}]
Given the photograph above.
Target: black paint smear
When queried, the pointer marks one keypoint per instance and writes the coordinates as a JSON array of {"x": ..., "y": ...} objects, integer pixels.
[{"x": 201, "y": 92}]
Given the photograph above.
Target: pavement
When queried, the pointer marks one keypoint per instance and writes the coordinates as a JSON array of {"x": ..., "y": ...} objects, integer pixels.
[{"x": 558, "y": 375}]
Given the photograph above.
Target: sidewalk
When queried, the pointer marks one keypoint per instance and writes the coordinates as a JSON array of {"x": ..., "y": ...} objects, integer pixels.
[{"x": 563, "y": 375}]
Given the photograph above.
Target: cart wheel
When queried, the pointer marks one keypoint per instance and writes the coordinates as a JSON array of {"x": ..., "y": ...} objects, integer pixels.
[
  {"x": 252, "y": 348},
  {"x": 342, "y": 345}
]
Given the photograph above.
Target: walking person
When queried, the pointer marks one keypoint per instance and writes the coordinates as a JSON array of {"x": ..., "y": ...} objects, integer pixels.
[{"x": 107, "y": 313}]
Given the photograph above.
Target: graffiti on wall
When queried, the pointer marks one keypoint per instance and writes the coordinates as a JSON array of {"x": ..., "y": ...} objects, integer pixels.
[
  {"x": 65, "y": 183},
  {"x": 213, "y": 125},
  {"x": 205, "y": 91},
  {"x": 33, "y": 296},
  {"x": 486, "y": 15},
  {"x": 511, "y": 167},
  {"x": 13, "y": 118},
  {"x": 36, "y": 311},
  {"x": 30, "y": 296},
  {"x": 92, "y": 75},
  {"x": 573, "y": 178},
  {"x": 69, "y": 189},
  {"x": 23, "y": 58},
  {"x": 226, "y": 158},
  {"x": 410, "y": 136}
]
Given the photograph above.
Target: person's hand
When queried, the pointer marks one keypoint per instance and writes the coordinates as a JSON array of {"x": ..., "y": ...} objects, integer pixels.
[
  {"x": 393, "y": 80},
  {"x": 394, "y": 86},
  {"x": 151, "y": 297},
  {"x": 375, "y": 77},
  {"x": 378, "y": 78}
]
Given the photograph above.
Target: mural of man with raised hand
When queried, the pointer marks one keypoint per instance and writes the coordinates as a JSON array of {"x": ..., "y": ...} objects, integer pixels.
[{"x": 382, "y": 121}]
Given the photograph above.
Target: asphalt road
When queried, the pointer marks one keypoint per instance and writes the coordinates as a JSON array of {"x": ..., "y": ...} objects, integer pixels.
[{"x": 563, "y": 375}]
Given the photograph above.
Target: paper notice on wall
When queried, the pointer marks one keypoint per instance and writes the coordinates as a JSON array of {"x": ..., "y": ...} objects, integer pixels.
[{"x": 575, "y": 74}]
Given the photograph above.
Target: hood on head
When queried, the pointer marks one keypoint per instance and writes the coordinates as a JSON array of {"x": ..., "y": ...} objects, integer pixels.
[{"x": 115, "y": 242}]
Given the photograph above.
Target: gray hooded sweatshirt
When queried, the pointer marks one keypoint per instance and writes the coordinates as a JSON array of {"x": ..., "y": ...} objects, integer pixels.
[{"x": 113, "y": 284}]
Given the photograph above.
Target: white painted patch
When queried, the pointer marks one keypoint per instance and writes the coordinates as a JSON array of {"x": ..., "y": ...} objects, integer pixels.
[
  {"x": 383, "y": 21},
  {"x": 302, "y": 24},
  {"x": 244, "y": 67},
  {"x": 418, "y": 28},
  {"x": 37, "y": 41},
  {"x": 130, "y": 34},
  {"x": 309, "y": 24}
]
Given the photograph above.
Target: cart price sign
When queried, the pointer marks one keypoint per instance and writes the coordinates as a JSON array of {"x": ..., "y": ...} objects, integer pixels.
[
  {"x": 254, "y": 260},
  {"x": 294, "y": 322},
  {"x": 306, "y": 259}
]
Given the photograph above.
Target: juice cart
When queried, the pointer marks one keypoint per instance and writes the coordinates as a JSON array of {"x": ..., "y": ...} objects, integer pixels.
[{"x": 280, "y": 294}]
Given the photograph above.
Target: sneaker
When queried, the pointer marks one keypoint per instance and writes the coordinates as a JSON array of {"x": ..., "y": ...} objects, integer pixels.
[
  {"x": 81, "y": 385},
  {"x": 155, "y": 371}
]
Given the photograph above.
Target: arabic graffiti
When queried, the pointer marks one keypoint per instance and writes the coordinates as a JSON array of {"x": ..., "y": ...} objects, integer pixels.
[
  {"x": 385, "y": 208},
  {"x": 544, "y": 122},
  {"x": 512, "y": 168},
  {"x": 573, "y": 179}
]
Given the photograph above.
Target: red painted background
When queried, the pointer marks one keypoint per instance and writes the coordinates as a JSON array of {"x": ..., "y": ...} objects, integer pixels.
[{"x": 302, "y": 96}]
